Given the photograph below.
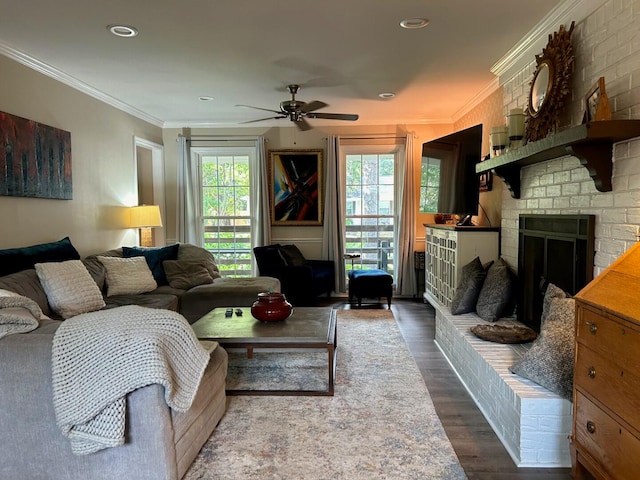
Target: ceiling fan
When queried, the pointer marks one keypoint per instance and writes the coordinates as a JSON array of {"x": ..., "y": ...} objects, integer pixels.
[{"x": 298, "y": 111}]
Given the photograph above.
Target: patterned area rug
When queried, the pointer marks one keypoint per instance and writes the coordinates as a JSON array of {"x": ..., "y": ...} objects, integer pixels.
[{"x": 380, "y": 423}]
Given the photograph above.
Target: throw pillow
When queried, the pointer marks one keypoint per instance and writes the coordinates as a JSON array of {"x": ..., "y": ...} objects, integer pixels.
[
  {"x": 16, "y": 259},
  {"x": 69, "y": 287},
  {"x": 292, "y": 255},
  {"x": 504, "y": 333},
  {"x": 185, "y": 274},
  {"x": 468, "y": 290},
  {"x": 549, "y": 361},
  {"x": 497, "y": 296},
  {"x": 154, "y": 256},
  {"x": 551, "y": 293},
  {"x": 127, "y": 276},
  {"x": 195, "y": 253}
]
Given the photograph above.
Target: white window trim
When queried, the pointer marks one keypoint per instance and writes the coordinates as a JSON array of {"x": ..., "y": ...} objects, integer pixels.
[{"x": 196, "y": 155}]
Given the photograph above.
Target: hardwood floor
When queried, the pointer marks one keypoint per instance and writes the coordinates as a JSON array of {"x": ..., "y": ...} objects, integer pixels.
[{"x": 480, "y": 451}]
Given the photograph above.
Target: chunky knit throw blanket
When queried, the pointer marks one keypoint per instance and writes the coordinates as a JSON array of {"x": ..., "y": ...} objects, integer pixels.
[
  {"x": 101, "y": 356},
  {"x": 18, "y": 315}
]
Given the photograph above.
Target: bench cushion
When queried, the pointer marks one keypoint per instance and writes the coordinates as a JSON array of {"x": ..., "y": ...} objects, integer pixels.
[{"x": 225, "y": 292}]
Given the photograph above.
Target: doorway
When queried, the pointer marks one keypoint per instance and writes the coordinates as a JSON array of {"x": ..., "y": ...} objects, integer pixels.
[{"x": 149, "y": 167}]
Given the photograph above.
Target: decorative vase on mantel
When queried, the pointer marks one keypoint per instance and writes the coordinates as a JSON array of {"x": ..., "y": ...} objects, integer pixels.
[{"x": 271, "y": 307}]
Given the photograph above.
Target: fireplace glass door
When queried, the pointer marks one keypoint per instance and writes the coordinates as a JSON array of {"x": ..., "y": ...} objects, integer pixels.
[{"x": 552, "y": 248}]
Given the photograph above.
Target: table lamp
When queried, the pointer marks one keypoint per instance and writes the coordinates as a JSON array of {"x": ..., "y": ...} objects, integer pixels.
[{"x": 145, "y": 217}]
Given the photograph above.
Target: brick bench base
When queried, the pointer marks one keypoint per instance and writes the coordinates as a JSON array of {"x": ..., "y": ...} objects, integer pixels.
[{"x": 532, "y": 423}]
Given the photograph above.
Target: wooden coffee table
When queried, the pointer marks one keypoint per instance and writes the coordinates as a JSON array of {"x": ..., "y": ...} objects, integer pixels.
[{"x": 306, "y": 328}]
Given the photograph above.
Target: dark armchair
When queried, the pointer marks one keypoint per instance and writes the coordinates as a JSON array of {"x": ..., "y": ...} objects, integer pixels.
[{"x": 301, "y": 280}]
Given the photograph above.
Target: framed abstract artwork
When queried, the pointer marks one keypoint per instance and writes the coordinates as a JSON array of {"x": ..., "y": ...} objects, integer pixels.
[
  {"x": 35, "y": 159},
  {"x": 295, "y": 184}
]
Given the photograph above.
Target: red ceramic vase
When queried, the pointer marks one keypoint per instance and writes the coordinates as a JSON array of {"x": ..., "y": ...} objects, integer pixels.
[{"x": 271, "y": 307}]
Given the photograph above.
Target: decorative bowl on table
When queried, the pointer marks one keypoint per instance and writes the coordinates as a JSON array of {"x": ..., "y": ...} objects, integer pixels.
[{"x": 271, "y": 307}]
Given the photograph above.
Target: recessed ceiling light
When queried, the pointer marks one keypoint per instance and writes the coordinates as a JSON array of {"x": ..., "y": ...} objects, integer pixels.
[
  {"x": 387, "y": 95},
  {"x": 123, "y": 30},
  {"x": 412, "y": 23},
  {"x": 205, "y": 98}
]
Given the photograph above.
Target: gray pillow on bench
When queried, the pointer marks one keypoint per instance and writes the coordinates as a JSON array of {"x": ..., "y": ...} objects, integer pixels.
[
  {"x": 497, "y": 297},
  {"x": 468, "y": 290},
  {"x": 549, "y": 361}
]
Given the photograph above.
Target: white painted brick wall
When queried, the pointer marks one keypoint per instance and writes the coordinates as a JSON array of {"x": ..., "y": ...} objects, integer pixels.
[
  {"x": 533, "y": 423},
  {"x": 607, "y": 43}
]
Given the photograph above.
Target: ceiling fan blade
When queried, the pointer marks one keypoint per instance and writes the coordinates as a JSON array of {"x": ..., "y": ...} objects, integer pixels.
[
  {"x": 262, "y": 119},
  {"x": 311, "y": 106},
  {"x": 334, "y": 116},
  {"x": 260, "y": 108},
  {"x": 302, "y": 124}
]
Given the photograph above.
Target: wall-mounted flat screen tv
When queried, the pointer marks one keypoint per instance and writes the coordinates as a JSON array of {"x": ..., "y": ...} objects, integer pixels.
[{"x": 449, "y": 182}]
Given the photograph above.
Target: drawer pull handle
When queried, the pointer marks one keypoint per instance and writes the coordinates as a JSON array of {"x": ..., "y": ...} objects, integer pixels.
[
  {"x": 592, "y": 372},
  {"x": 591, "y": 427},
  {"x": 593, "y": 328}
]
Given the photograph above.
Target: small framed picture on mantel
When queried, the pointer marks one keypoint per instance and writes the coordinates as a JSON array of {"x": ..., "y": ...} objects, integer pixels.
[{"x": 596, "y": 103}]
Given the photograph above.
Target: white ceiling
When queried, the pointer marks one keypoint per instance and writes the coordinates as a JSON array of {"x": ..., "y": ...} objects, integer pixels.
[{"x": 342, "y": 52}]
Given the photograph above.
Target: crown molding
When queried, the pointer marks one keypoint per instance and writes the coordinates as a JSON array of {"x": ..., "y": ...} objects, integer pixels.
[
  {"x": 275, "y": 123},
  {"x": 477, "y": 99},
  {"x": 517, "y": 58},
  {"x": 62, "y": 77},
  {"x": 531, "y": 44}
]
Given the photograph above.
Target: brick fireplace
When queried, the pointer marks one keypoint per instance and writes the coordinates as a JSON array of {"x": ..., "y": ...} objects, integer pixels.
[{"x": 561, "y": 186}]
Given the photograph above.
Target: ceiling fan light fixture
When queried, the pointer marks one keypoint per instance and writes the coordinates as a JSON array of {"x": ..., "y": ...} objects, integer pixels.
[
  {"x": 386, "y": 95},
  {"x": 414, "y": 23},
  {"x": 298, "y": 111},
  {"x": 124, "y": 31}
]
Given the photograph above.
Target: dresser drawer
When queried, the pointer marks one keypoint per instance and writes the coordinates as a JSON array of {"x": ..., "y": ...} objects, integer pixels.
[
  {"x": 599, "y": 436},
  {"x": 612, "y": 339},
  {"x": 613, "y": 385}
]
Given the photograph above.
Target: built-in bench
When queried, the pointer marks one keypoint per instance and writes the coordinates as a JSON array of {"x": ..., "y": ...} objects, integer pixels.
[{"x": 532, "y": 423}]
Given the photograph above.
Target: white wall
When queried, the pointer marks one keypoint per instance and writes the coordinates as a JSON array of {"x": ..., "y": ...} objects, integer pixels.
[
  {"x": 606, "y": 43},
  {"x": 103, "y": 166},
  {"x": 103, "y": 169}
]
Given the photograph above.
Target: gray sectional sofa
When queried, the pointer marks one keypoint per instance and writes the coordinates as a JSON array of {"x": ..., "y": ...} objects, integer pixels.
[
  {"x": 161, "y": 443},
  {"x": 192, "y": 302}
]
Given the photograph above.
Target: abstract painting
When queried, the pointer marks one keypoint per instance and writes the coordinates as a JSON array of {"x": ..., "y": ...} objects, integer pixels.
[
  {"x": 35, "y": 159},
  {"x": 296, "y": 186}
]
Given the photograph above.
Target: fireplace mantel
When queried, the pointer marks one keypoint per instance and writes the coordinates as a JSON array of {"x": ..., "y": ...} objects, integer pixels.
[{"x": 591, "y": 143}]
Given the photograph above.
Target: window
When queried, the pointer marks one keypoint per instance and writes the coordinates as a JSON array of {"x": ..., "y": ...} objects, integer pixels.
[
  {"x": 370, "y": 208},
  {"x": 429, "y": 184},
  {"x": 225, "y": 206}
]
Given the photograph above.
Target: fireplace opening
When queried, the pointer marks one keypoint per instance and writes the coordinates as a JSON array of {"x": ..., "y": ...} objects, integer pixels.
[{"x": 552, "y": 248}]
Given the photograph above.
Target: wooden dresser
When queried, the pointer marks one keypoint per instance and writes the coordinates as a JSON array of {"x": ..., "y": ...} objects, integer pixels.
[{"x": 606, "y": 408}]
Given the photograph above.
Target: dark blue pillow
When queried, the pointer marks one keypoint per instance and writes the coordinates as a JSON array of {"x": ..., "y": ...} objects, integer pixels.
[
  {"x": 17, "y": 259},
  {"x": 154, "y": 257}
]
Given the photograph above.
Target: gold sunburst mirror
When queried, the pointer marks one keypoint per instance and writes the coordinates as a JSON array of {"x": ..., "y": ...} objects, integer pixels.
[{"x": 550, "y": 86}]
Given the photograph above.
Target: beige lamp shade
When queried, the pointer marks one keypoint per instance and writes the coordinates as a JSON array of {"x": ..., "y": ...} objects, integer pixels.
[{"x": 145, "y": 216}]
